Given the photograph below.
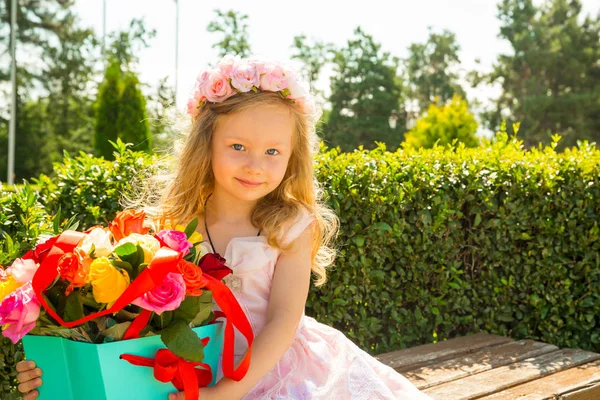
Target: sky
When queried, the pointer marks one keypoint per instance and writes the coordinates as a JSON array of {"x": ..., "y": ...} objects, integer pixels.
[{"x": 273, "y": 24}]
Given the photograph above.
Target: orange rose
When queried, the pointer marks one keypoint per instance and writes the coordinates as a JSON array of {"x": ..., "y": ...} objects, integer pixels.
[
  {"x": 127, "y": 222},
  {"x": 192, "y": 276},
  {"x": 74, "y": 268}
]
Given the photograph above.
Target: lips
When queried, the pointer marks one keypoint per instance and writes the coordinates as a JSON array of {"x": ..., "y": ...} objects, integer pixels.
[{"x": 249, "y": 183}]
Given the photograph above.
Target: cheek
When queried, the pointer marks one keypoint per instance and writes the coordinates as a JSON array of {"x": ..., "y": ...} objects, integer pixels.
[{"x": 277, "y": 169}]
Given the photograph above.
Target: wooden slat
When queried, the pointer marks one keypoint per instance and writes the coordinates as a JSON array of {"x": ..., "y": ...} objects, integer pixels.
[
  {"x": 437, "y": 373},
  {"x": 497, "y": 379},
  {"x": 589, "y": 393},
  {"x": 402, "y": 360},
  {"x": 570, "y": 384}
]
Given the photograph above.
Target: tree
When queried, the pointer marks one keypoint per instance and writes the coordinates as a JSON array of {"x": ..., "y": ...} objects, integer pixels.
[
  {"x": 160, "y": 108},
  {"x": 55, "y": 76},
  {"x": 430, "y": 68},
  {"x": 551, "y": 82},
  {"x": 444, "y": 124},
  {"x": 314, "y": 54},
  {"x": 235, "y": 33},
  {"x": 364, "y": 92},
  {"x": 107, "y": 111},
  {"x": 132, "y": 123}
]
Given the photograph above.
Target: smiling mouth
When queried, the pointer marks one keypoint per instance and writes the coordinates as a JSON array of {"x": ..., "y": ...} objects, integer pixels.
[{"x": 248, "y": 183}]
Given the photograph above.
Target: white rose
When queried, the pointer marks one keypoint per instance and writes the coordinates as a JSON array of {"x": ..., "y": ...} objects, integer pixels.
[{"x": 100, "y": 239}]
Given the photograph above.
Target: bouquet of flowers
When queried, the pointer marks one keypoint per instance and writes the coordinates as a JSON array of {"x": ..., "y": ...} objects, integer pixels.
[{"x": 121, "y": 284}]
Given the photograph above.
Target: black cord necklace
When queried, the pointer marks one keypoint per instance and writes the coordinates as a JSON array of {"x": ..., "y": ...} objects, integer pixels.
[{"x": 206, "y": 226}]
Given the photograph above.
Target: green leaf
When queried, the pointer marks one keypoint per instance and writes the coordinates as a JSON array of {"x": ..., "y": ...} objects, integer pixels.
[
  {"x": 477, "y": 220},
  {"x": 205, "y": 313},
  {"x": 182, "y": 341},
  {"x": 191, "y": 227},
  {"x": 382, "y": 226},
  {"x": 189, "y": 308},
  {"x": 56, "y": 222},
  {"x": 115, "y": 332},
  {"x": 73, "y": 307}
]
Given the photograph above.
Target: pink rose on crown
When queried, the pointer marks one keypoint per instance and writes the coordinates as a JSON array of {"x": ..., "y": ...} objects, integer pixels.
[
  {"x": 227, "y": 63},
  {"x": 274, "y": 78},
  {"x": 166, "y": 296},
  {"x": 18, "y": 312},
  {"x": 216, "y": 88},
  {"x": 175, "y": 240},
  {"x": 244, "y": 77}
]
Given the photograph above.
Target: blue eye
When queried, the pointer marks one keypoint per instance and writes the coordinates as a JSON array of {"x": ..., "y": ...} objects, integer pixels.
[
  {"x": 271, "y": 154},
  {"x": 237, "y": 148}
]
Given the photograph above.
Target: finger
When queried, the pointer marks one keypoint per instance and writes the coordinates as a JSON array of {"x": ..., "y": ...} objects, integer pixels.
[
  {"x": 30, "y": 385},
  {"x": 23, "y": 377},
  {"x": 177, "y": 396},
  {"x": 23, "y": 366},
  {"x": 31, "y": 395}
]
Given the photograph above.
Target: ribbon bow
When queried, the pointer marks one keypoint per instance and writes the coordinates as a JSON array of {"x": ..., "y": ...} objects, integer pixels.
[{"x": 181, "y": 373}]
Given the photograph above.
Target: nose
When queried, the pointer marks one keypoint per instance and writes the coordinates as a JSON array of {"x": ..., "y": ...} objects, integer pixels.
[{"x": 253, "y": 165}]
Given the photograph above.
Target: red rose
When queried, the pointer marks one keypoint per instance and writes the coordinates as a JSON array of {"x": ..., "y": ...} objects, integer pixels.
[{"x": 214, "y": 265}]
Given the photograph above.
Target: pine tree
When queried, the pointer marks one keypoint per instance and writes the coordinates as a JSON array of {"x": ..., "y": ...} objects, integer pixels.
[
  {"x": 107, "y": 111},
  {"x": 132, "y": 123}
]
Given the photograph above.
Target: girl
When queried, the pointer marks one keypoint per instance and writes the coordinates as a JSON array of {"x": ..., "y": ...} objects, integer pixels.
[{"x": 246, "y": 171}]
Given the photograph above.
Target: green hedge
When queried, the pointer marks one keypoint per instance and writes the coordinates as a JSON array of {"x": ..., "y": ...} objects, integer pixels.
[
  {"x": 443, "y": 242},
  {"x": 433, "y": 243}
]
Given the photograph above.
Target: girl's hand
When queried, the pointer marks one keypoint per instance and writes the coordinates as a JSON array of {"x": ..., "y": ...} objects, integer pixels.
[
  {"x": 207, "y": 393},
  {"x": 29, "y": 379}
]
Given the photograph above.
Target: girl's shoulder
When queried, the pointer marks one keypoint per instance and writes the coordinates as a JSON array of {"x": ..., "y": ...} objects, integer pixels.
[{"x": 293, "y": 227}]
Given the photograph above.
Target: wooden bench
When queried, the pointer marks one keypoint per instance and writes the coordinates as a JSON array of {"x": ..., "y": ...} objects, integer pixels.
[{"x": 490, "y": 367}]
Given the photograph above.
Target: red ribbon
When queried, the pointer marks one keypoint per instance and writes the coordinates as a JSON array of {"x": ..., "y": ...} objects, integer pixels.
[
  {"x": 152, "y": 275},
  {"x": 181, "y": 373}
]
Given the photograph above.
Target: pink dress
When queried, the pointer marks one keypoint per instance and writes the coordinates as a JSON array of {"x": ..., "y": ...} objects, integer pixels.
[{"x": 321, "y": 362}]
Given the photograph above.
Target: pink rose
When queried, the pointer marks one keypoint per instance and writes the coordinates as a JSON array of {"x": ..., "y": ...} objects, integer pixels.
[
  {"x": 296, "y": 89},
  {"x": 227, "y": 63},
  {"x": 216, "y": 88},
  {"x": 244, "y": 77},
  {"x": 164, "y": 297},
  {"x": 175, "y": 240},
  {"x": 19, "y": 311},
  {"x": 274, "y": 78},
  {"x": 192, "y": 106},
  {"x": 259, "y": 65},
  {"x": 203, "y": 77},
  {"x": 22, "y": 270}
]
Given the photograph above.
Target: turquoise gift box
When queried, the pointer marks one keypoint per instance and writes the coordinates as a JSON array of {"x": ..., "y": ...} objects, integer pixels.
[{"x": 77, "y": 370}]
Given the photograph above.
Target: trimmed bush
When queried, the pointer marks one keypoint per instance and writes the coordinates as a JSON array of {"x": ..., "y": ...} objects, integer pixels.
[{"x": 449, "y": 241}]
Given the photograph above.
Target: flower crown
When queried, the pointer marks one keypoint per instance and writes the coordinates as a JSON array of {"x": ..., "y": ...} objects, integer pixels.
[{"x": 233, "y": 75}]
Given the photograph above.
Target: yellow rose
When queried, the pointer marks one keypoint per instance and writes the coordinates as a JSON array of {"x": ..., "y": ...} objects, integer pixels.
[
  {"x": 7, "y": 286},
  {"x": 148, "y": 243},
  {"x": 107, "y": 282}
]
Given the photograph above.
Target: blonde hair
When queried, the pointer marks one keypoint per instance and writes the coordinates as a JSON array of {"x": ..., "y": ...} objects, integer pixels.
[{"x": 177, "y": 193}]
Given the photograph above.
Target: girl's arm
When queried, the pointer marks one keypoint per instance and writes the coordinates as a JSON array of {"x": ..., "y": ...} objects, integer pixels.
[{"x": 289, "y": 291}]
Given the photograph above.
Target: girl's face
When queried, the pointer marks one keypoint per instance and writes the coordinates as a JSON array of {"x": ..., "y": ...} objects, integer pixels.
[{"x": 251, "y": 150}]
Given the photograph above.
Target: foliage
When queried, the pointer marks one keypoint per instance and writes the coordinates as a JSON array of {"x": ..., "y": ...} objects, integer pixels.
[
  {"x": 132, "y": 122},
  {"x": 234, "y": 28},
  {"x": 364, "y": 92},
  {"x": 444, "y": 125},
  {"x": 551, "y": 81},
  {"x": 431, "y": 69},
  {"x": 107, "y": 111},
  {"x": 90, "y": 187},
  {"x": 447, "y": 241}
]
